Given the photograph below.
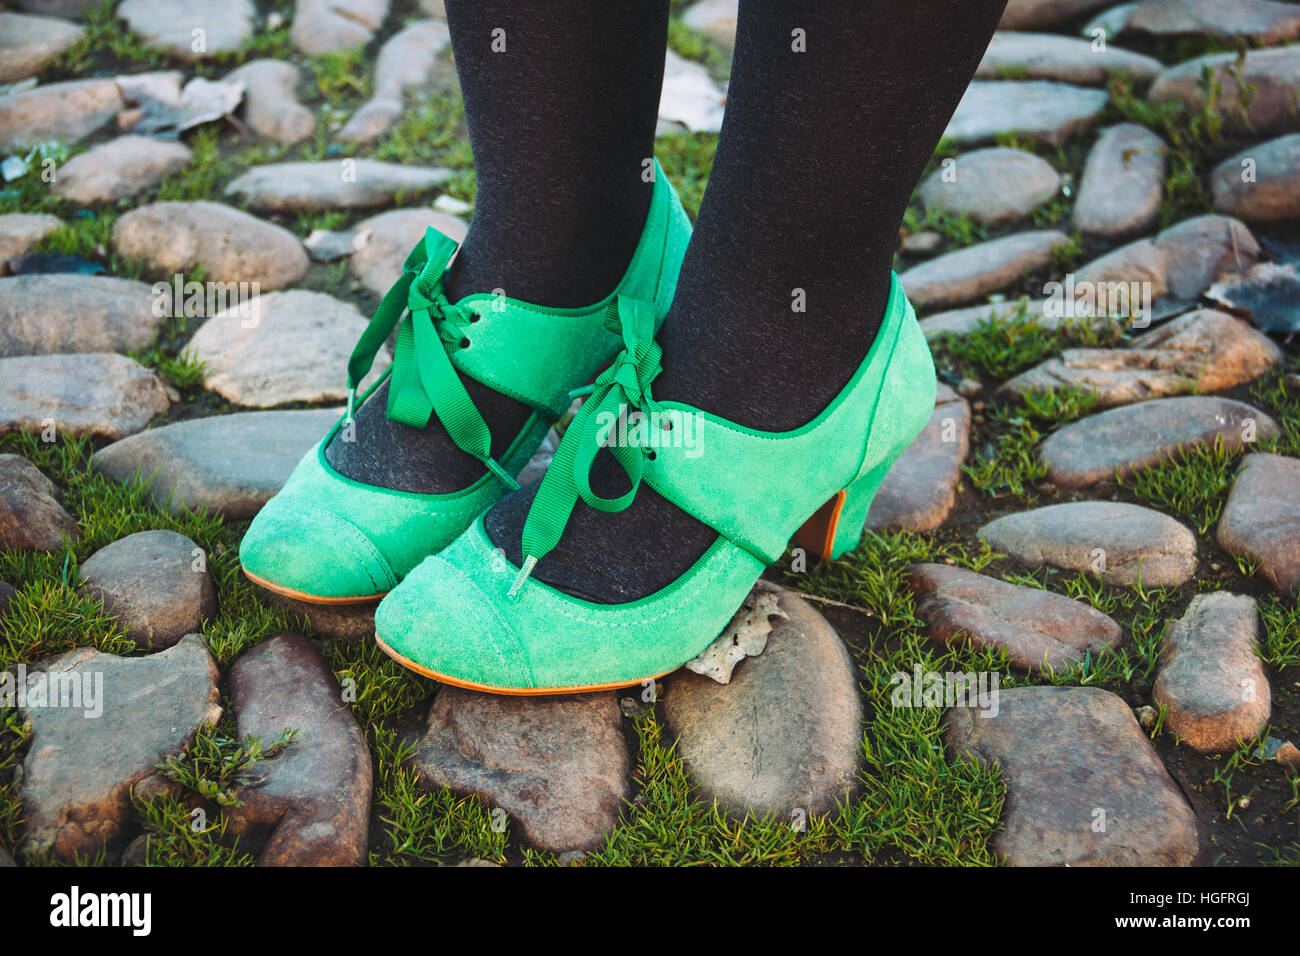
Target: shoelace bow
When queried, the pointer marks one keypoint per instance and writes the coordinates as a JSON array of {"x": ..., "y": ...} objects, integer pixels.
[
  {"x": 423, "y": 380},
  {"x": 620, "y": 389}
]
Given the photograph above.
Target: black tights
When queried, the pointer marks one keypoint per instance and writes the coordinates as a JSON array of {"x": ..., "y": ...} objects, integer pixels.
[{"x": 833, "y": 110}]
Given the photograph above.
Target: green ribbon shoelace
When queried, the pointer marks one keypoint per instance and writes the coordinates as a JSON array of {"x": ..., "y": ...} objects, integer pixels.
[
  {"x": 423, "y": 381},
  {"x": 617, "y": 391}
]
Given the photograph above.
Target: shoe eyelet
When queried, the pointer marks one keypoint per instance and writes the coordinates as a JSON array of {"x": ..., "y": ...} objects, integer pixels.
[
  {"x": 474, "y": 317},
  {"x": 651, "y": 455},
  {"x": 464, "y": 343}
]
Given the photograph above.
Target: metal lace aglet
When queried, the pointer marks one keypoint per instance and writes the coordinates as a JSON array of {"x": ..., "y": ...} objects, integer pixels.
[
  {"x": 530, "y": 562},
  {"x": 581, "y": 391}
]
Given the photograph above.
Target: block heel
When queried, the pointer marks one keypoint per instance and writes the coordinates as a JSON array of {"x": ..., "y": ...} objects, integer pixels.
[{"x": 836, "y": 527}]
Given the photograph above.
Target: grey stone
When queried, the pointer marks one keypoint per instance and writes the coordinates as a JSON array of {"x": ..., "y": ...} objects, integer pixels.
[
  {"x": 1261, "y": 519},
  {"x": 342, "y": 622},
  {"x": 378, "y": 264},
  {"x": 1263, "y": 21},
  {"x": 406, "y": 61},
  {"x": 230, "y": 245},
  {"x": 323, "y": 26},
  {"x": 271, "y": 106},
  {"x": 68, "y": 312},
  {"x": 762, "y": 743},
  {"x": 67, "y": 112},
  {"x": 690, "y": 100},
  {"x": 228, "y": 464},
  {"x": 1268, "y": 294},
  {"x": 992, "y": 185},
  {"x": 1120, "y": 543},
  {"x": 716, "y": 19},
  {"x": 1201, "y": 351},
  {"x": 310, "y": 805},
  {"x": 118, "y": 169},
  {"x": 31, "y": 518},
  {"x": 1131, "y": 437},
  {"x": 1037, "y": 109},
  {"x": 168, "y": 26},
  {"x": 920, "y": 489},
  {"x": 19, "y": 231},
  {"x": 1038, "y": 629},
  {"x": 1030, "y": 14},
  {"x": 79, "y": 772},
  {"x": 332, "y": 184},
  {"x": 28, "y": 42},
  {"x": 1122, "y": 183},
  {"x": 1209, "y": 676},
  {"x": 1084, "y": 786},
  {"x": 282, "y": 347},
  {"x": 1272, "y": 191},
  {"x": 156, "y": 583},
  {"x": 1111, "y": 22},
  {"x": 1049, "y": 56},
  {"x": 972, "y": 273},
  {"x": 98, "y": 394},
  {"x": 1274, "y": 74},
  {"x": 557, "y": 765}
]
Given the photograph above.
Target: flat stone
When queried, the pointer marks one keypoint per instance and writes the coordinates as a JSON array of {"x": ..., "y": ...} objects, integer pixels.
[
  {"x": 19, "y": 231},
  {"x": 1030, "y": 14},
  {"x": 271, "y": 106},
  {"x": 1266, "y": 22},
  {"x": 920, "y": 489},
  {"x": 972, "y": 273},
  {"x": 1274, "y": 74},
  {"x": 690, "y": 100},
  {"x": 992, "y": 185},
  {"x": 1203, "y": 351},
  {"x": 322, "y": 26},
  {"x": 282, "y": 347},
  {"x": 342, "y": 622},
  {"x": 169, "y": 27},
  {"x": 558, "y": 765},
  {"x": 229, "y": 464},
  {"x": 31, "y": 518},
  {"x": 716, "y": 19},
  {"x": 966, "y": 320},
  {"x": 156, "y": 583},
  {"x": 68, "y": 9},
  {"x": 1038, "y": 629},
  {"x": 1261, "y": 520},
  {"x": 1262, "y": 183},
  {"x": 378, "y": 264},
  {"x": 1122, "y": 183},
  {"x": 1182, "y": 261},
  {"x": 1041, "y": 110},
  {"x": 1049, "y": 56},
  {"x": 230, "y": 245},
  {"x": 1209, "y": 676},
  {"x": 98, "y": 394},
  {"x": 1131, "y": 437},
  {"x": 68, "y": 312},
  {"x": 1111, "y": 22},
  {"x": 1268, "y": 294},
  {"x": 66, "y": 112},
  {"x": 28, "y": 42},
  {"x": 1084, "y": 786},
  {"x": 117, "y": 169},
  {"x": 762, "y": 743},
  {"x": 79, "y": 773},
  {"x": 1120, "y": 543},
  {"x": 311, "y": 803},
  {"x": 331, "y": 184},
  {"x": 406, "y": 61}
]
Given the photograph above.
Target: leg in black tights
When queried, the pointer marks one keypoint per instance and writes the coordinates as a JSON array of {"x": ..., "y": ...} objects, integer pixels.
[
  {"x": 819, "y": 153},
  {"x": 560, "y": 99}
]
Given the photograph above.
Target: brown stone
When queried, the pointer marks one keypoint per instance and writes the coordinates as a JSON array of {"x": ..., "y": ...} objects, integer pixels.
[
  {"x": 1261, "y": 520},
  {"x": 66, "y": 112},
  {"x": 19, "y": 231},
  {"x": 27, "y": 43},
  {"x": 378, "y": 264},
  {"x": 1210, "y": 678},
  {"x": 96, "y": 393},
  {"x": 64, "y": 312},
  {"x": 920, "y": 489},
  {"x": 118, "y": 169},
  {"x": 1084, "y": 786},
  {"x": 992, "y": 185},
  {"x": 1123, "y": 182},
  {"x": 271, "y": 106},
  {"x": 1038, "y": 629},
  {"x": 972, "y": 273},
  {"x": 1274, "y": 74},
  {"x": 310, "y": 805},
  {"x": 1264, "y": 21},
  {"x": 31, "y": 518},
  {"x": 1262, "y": 183}
]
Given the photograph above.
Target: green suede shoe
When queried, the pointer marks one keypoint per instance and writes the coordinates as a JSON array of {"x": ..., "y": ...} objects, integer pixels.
[
  {"x": 467, "y": 616},
  {"x": 331, "y": 540}
]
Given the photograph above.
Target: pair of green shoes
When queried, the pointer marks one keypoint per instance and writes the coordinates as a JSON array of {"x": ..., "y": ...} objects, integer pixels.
[{"x": 453, "y": 607}]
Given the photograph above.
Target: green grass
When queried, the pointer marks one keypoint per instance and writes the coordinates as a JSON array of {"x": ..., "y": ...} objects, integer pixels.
[
  {"x": 1013, "y": 467},
  {"x": 1192, "y": 484},
  {"x": 687, "y": 158}
]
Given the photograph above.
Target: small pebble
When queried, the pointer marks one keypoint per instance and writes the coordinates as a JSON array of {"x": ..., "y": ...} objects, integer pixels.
[{"x": 1146, "y": 715}]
